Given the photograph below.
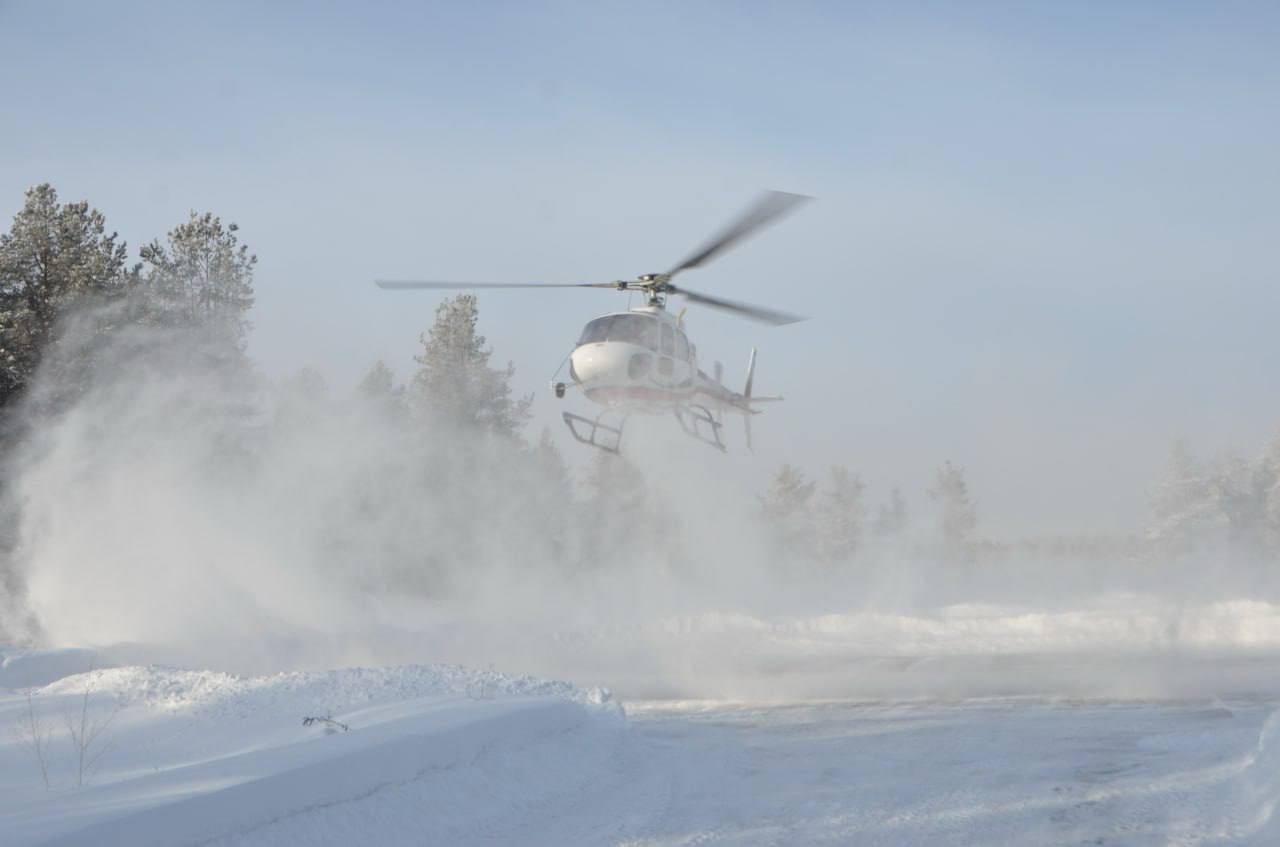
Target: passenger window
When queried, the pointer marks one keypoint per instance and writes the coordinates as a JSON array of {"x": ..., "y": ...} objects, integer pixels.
[{"x": 668, "y": 341}]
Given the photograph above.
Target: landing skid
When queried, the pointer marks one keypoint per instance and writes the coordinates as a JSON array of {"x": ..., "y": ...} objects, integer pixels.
[
  {"x": 595, "y": 433},
  {"x": 698, "y": 423}
]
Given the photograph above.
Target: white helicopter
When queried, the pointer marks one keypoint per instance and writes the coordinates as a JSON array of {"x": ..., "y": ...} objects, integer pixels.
[{"x": 640, "y": 361}]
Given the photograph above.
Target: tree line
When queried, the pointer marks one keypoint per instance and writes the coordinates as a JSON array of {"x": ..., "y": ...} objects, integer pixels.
[
  {"x": 76, "y": 314},
  {"x": 829, "y": 521}
]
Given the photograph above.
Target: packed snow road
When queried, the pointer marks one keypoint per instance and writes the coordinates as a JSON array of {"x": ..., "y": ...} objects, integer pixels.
[
  {"x": 983, "y": 773},
  {"x": 979, "y": 772}
]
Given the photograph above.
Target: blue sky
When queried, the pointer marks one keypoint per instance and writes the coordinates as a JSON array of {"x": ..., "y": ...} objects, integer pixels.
[{"x": 1043, "y": 244}]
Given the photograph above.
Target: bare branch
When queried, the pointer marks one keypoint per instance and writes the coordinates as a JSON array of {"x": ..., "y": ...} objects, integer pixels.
[{"x": 34, "y": 734}]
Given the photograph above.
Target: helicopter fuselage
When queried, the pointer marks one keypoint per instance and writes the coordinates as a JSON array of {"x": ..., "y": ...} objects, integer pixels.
[{"x": 641, "y": 361}]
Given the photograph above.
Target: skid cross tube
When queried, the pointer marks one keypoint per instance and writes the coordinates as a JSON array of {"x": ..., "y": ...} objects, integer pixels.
[
  {"x": 594, "y": 429},
  {"x": 695, "y": 420}
]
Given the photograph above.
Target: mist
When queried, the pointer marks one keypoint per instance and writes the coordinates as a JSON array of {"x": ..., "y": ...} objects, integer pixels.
[{"x": 182, "y": 512}]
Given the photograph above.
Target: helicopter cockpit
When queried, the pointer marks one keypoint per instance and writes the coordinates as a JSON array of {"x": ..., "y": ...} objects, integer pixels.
[
  {"x": 651, "y": 333},
  {"x": 633, "y": 329}
]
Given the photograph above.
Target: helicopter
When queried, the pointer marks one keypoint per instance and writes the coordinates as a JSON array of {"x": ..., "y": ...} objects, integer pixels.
[{"x": 640, "y": 361}]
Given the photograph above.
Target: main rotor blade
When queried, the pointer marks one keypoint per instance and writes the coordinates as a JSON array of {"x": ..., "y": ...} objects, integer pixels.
[
  {"x": 756, "y": 313},
  {"x": 396, "y": 284},
  {"x": 771, "y": 206}
]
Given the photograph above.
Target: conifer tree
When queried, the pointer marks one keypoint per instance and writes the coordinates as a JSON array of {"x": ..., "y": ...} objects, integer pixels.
[
  {"x": 553, "y": 495},
  {"x": 622, "y": 521},
  {"x": 840, "y": 515},
  {"x": 378, "y": 389},
  {"x": 891, "y": 517},
  {"x": 958, "y": 513},
  {"x": 54, "y": 259},
  {"x": 553, "y": 472},
  {"x": 786, "y": 509},
  {"x": 454, "y": 384},
  {"x": 1269, "y": 479},
  {"x": 200, "y": 281},
  {"x": 1184, "y": 504}
]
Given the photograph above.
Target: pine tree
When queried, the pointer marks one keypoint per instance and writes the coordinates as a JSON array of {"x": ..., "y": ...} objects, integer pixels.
[
  {"x": 54, "y": 259},
  {"x": 553, "y": 496},
  {"x": 378, "y": 383},
  {"x": 553, "y": 473},
  {"x": 623, "y": 522},
  {"x": 201, "y": 281},
  {"x": 786, "y": 509},
  {"x": 891, "y": 517},
  {"x": 840, "y": 515},
  {"x": 1240, "y": 488},
  {"x": 959, "y": 517},
  {"x": 378, "y": 389},
  {"x": 454, "y": 384},
  {"x": 1185, "y": 505},
  {"x": 1269, "y": 482},
  {"x": 614, "y": 483}
]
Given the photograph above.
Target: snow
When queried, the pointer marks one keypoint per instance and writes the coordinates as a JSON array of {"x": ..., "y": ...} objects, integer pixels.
[
  {"x": 443, "y": 754},
  {"x": 198, "y": 755},
  {"x": 989, "y": 772}
]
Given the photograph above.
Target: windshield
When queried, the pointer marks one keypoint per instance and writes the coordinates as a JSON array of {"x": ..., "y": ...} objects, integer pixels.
[{"x": 634, "y": 329}]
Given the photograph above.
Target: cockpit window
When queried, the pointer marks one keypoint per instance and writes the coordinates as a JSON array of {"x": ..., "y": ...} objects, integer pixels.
[{"x": 633, "y": 329}]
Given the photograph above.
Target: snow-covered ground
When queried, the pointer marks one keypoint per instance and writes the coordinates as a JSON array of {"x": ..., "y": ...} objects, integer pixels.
[
  {"x": 187, "y": 757},
  {"x": 1154, "y": 745}
]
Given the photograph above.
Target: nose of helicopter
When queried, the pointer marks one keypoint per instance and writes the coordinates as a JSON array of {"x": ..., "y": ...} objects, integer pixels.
[{"x": 597, "y": 363}]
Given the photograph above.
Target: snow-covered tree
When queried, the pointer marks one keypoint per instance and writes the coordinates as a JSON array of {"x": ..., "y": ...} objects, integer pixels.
[
  {"x": 454, "y": 384},
  {"x": 55, "y": 258},
  {"x": 839, "y": 515},
  {"x": 957, "y": 512},
  {"x": 201, "y": 280}
]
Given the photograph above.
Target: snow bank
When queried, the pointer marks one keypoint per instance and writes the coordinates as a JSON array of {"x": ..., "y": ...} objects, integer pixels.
[
  {"x": 1124, "y": 623},
  {"x": 1122, "y": 646}
]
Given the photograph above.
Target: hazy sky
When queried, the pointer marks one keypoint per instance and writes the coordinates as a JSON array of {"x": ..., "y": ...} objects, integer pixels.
[{"x": 1043, "y": 247}]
